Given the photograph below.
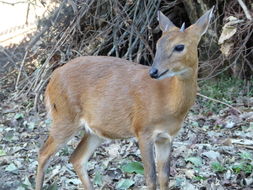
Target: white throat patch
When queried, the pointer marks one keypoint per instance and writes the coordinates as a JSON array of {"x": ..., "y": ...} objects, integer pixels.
[{"x": 172, "y": 74}]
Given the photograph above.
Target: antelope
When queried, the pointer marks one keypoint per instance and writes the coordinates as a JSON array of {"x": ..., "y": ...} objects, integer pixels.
[{"x": 112, "y": 98}]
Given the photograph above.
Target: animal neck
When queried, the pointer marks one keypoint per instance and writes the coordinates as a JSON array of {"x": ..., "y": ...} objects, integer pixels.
[{"x": 182, "y": 93}]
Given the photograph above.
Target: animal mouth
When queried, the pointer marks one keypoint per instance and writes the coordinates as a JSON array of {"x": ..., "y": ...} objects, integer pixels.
[
  {"x": 163, "y": 73},
  {"x": 168, "y": 74}
]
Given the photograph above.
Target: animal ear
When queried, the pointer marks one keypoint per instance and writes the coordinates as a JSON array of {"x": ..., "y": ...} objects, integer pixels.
[
  {"x": 203, "y": 22},
  {"x": 164, "y": 22}
]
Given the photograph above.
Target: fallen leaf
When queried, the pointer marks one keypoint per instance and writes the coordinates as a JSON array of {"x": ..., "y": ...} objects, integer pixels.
[
  {"x": 189, "y": 174},
  {"x": 98, "y": 179},
  {"x": 125, "y": 184},
  {"x": 188, "y": 186},
  {"x": 27, "y": 183},
  {"x": 212, "y": 155},
  {"x": 197, "y": 161},
  {"x": 2, "y": 152},
  {"x": 75, "y": 181},
  {"x": 133, "y": 167},
  {"x": 242, "y": 141},
  {"x": 230, "y": 124},
  {"x": 11, "y": 167}
]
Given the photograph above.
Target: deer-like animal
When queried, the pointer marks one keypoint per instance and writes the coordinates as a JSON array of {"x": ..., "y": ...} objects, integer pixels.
[{"x": 112, "y": 98}]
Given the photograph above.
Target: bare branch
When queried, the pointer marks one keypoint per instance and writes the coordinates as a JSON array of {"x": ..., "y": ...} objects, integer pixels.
[
  {"x": 218, "y": 101},
  {"x": 12, "y": 4},
  {"x": 245, "y": 9}
]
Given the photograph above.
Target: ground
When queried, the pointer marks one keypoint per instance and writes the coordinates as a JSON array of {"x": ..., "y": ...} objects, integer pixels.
[{"x": 212, "y": 151}]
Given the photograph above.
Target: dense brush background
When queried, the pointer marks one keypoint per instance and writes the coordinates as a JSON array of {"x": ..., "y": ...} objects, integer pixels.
[{"x": 213, "y": 150}]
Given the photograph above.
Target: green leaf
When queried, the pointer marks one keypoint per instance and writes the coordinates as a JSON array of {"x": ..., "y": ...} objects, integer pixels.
[
  {"x": 52, "y": 187},
  {"x": 27, "y": 184},
  {"x": 31, "y": 125},
  {"x": 199, "y": 178},
  {"x": 246, "y": 155},
  {"x": 124, "y": 184},
  {"x": 179, "y": 181},
  {"x": 197, "y": 161},
  {"x": 133, "y": 167},
  {"x": 98, "y": 179},
  {"x": 237, "y": 168},
  {"x": 195, "y": 124},
  {"x": 217, "y": 167},
  {"x": 2, "y": 153},
  {"x": 21, "y": 188},
  {"x": 19, "y": 116},
  {"x": 11, "y": 168},
  {"x": 65, "y": 151},
  {"x": 248, "y": 168},
  {"x": 243, "y": 167}
]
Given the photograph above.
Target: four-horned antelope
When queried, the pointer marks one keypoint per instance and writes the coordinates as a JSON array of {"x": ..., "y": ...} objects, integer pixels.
[{"x": 114, "y": 98}]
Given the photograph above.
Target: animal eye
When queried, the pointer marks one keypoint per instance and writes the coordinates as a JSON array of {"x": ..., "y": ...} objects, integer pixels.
[{"x": 179, "y": 48}]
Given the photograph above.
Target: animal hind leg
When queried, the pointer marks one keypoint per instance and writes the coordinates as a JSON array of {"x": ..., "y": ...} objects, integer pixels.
[
  {"x": 81, "y": 155},
  {"x": 46, "y": 152},
  {"x": 50, "y": 147}
]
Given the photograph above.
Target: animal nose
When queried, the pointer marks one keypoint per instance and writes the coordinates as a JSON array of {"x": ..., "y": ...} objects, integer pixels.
[{"x": 153, "y": 72}]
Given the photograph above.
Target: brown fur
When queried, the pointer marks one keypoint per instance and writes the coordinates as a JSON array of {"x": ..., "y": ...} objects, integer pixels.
[{"x": 118, "y": 99}]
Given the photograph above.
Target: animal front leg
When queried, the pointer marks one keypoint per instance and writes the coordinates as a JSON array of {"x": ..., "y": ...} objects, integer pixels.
[
  {"x": 163, "y": 145},
  {"x": 147, "y": 152}
]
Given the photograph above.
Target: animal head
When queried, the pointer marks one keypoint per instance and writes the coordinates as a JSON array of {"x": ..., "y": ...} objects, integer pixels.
[{"x": 176, "y": 50}]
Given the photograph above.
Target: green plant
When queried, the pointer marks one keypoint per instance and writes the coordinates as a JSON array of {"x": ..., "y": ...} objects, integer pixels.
[
  {"x": 2, "y": 152},
  {"x": 98, "y": 178},
  {"x": 124, "y": 184},
  {"x": 217, "y": 167},
  {"x": 244, "y": 164},
  {"x": 133, "y": 167},
  {"x": 223, "y": 88},
  {"x": 65, "y": 151},
  {"x": 199, "y": 178},
  {"x": 247, "y": 168},
  {"x": 53, "y": 186},
  {"x": 196, "y": 161},
  {"x": 246, "y": 155}
]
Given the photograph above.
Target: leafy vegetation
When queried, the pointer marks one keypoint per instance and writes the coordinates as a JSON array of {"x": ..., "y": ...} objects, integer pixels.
[
  {"x": 98, "y": 180},
  {"x": 226, "y": 89},
  {"x": 133, "y": 167},
  {"x": 218, "y": 167},
  {"x": 244, "y": 164},
  {"x": 204, "y": 153},
  {"x": 124, "y": 184},
  {"x": 197, "y": 161},
  {"x": 243, "y": 167}
]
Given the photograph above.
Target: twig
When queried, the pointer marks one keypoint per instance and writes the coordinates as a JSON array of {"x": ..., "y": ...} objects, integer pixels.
[
  {"x": 12, "y": 4},
  {"x": 6, "y": 76},
  {"x": 10, "y": 57},
  {"x": 245, "y": 9},
  {"x": 37, "y": 37},
  {"x": 20, "y": 70},
  {"x": 132, "y": 31},
  {"x": 218, "y": 101},
  {"x": 244, "y": 146},
  {"x": 27, "y": 13}
]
